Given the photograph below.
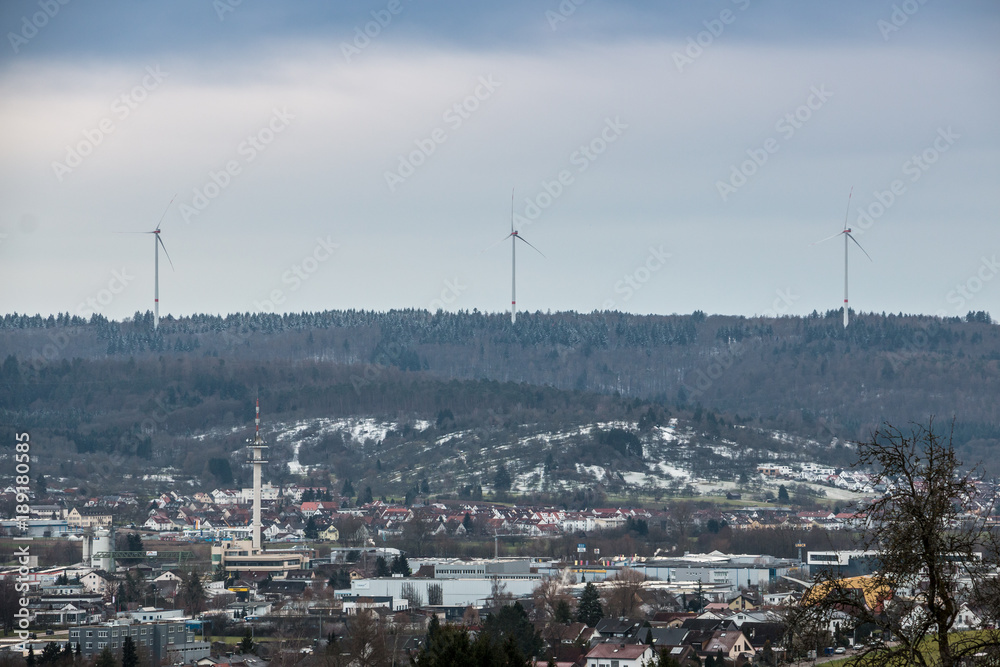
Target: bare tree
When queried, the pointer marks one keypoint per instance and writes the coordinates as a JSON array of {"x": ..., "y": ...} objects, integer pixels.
[
  {"x": 471, "y": 616},
  {"x": 366, "y": 640},
  {"x": 936, "y": 557},
  {"x": 417, "y": 531},
  {"x": 435, "y": 594},
  {"x": 352, "y": 530},
  {"x": 499, "y": 596},
  {"x": 622, "y": 592},
  {"x": 410, "y": 593},
  {"x": 9, "y": 604},
  {"x": 547, "y": 595},
  {"x": 681, "y": 522}
]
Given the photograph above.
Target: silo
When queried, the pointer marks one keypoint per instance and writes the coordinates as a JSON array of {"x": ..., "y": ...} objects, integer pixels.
[
  {"x": 87, "y": 548},
  {"x": 104, "y": 542}
]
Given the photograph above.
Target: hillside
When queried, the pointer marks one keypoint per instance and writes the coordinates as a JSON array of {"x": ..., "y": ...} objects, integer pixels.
[
  {"x": 185, "y": 424},
  {"x": 100, "y": 389}
]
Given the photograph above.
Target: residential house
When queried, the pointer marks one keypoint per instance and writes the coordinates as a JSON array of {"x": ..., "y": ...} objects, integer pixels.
[
  {"x": 622, "y": 655},
  {"x": 617, "y": 628},
  {"x": 743, "y": 602},
  {"x": 96, "y": 581},
  {"x": 225, "y": 497},
  {"x": 158, "y": 522},
  {"x": 732, "y": 644}
]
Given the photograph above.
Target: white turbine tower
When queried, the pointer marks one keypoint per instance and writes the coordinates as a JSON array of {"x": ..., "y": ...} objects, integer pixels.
[
  {"x": 514, "y": 237},
  {"x": 157, "y": 243},
  {"x": 847, "y": 235}
]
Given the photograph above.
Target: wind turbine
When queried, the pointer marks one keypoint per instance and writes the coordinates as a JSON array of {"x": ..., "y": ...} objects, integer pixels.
[
  {"x": 157, "y": 244},
  {"x": 847, "y": 235},
  {"x": 514, "y": 237}
]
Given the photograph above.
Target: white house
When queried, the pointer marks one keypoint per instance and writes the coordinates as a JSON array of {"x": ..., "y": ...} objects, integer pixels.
[
  {"x": 167, "y": 577},
  {"x": 226, "y": 497},
  {"x": 158, "y": 522},
  {"x": 622, "y": 655},
  {"x": 94, "y": 582},
  {"x": 267, "y": 492}
]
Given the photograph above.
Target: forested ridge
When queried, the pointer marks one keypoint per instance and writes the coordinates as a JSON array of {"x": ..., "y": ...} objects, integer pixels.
[{"x": 93, "y": 379}]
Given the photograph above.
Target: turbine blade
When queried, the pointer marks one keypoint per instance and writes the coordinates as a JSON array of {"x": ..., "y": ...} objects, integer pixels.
[
  {"x": 518, "y": 236},
  {"x": 512, "y": 210},
  {"x": 165, "y": 214},
  {"x": 495, "y": 243},
  {"x": 850, "y": 236},
  {"x": 848, "y": 211},
  {"x": 160, "y": 241},
  {"x": 826, "y": 239}
]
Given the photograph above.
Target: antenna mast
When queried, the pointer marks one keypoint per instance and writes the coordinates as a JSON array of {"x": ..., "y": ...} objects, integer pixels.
[{"x": 257, "y": 460}]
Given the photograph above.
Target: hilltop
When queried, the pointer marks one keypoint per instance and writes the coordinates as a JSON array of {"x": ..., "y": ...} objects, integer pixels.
[{"x": 100, "y": 388}]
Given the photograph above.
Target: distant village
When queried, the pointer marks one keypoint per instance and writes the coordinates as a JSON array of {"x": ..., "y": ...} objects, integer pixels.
[
  {"x": 226, "y": 514},
  {"x": 293, "y": 574},
  {"x": 295, "y": 513},
  {"x": 322, "y": 562}
]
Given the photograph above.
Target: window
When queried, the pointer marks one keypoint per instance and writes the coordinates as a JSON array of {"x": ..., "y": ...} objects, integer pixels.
[
  {"x": 114, "y": 644},
  {"x": 114, "y": 633},
  {"x": 101, "y": 644},
  {"x": 102, "y": 633},
  {"x": 90, "y": 633},
  {"x": 74, "y": 633}
]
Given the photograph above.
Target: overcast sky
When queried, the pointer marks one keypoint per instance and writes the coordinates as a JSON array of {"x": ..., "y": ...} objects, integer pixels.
[{"x": 362, "y": 155}]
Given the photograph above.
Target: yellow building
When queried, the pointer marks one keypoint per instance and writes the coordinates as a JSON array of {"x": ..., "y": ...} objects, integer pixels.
[{"x": 89, "y": 517}]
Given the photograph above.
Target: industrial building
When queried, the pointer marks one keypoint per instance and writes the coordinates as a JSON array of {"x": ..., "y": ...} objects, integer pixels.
[
  {"x": 842, "y": 563},
  {"x": 167, "y": 642},
  {"x": 719, "y": 569}
]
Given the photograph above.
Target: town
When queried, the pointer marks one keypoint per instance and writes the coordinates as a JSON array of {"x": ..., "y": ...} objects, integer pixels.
[{"x": 308, "y": 574}]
